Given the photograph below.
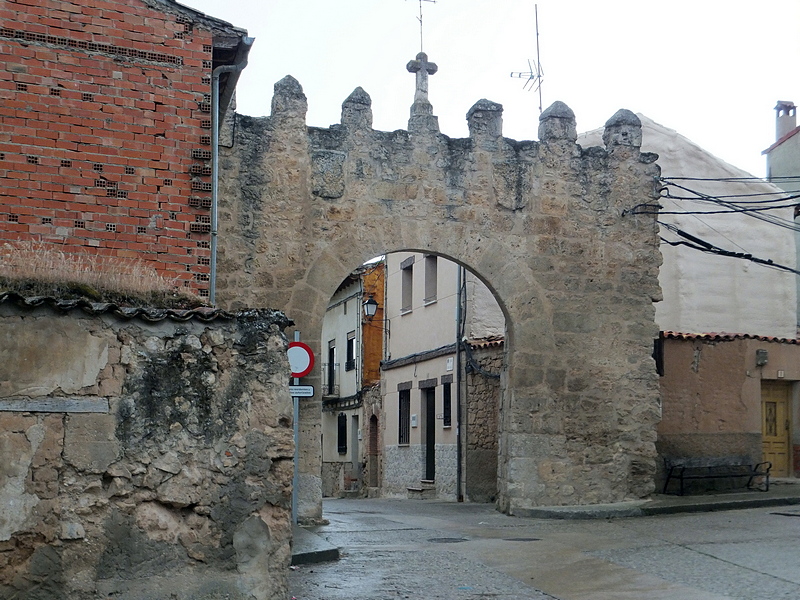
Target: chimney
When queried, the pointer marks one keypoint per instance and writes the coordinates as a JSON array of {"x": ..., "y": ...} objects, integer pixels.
[{"x": 785, "y": 118}]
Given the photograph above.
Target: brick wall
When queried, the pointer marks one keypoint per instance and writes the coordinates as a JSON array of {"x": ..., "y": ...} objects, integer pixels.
[{"x": 105, "y": 129}]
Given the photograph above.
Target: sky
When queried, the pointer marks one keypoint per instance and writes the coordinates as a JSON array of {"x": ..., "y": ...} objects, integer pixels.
[{"x": 710, "y": 69}]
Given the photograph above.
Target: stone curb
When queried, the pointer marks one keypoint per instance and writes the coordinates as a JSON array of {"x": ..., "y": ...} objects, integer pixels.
[
  {"x": 642, "y": 508},
  {"x": 309, "y": 548}
]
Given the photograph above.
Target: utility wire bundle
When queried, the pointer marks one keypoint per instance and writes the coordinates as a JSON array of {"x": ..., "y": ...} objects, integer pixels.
[{"x": 757, "y": 205}]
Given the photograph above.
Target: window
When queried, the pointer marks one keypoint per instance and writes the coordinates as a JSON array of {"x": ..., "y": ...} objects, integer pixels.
[
  {"x": 431, "y": 279},
  {"x": 404, "y": 429},
  {"x": 447, "y": 405},
  {"x": 407, "y": 284},
  {"x": 350, "y": 362},
  {"x": 341, "y": 433}
]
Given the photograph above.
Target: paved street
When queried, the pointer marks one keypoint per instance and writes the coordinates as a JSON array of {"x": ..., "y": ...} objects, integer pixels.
[{"x": 433, "y": 550}]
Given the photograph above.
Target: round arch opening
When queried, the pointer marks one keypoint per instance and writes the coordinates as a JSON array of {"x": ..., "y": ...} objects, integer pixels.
[{"x": 412, "y": 353}]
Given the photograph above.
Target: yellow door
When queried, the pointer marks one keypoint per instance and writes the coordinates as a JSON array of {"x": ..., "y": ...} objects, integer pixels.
[{"x": 775, "y": 426}]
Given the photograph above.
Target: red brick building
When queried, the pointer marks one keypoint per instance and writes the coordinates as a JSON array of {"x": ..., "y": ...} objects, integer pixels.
[{"x": 106, "y": 128}]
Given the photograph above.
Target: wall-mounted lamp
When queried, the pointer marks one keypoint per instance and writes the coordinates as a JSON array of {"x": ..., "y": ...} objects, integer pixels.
[
  {"x": 761, "y": 357},
  {"x": 370, "y": 307}
]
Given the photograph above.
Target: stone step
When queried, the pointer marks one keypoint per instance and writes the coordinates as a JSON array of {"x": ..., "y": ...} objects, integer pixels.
[{"x": 425, "y": 491}]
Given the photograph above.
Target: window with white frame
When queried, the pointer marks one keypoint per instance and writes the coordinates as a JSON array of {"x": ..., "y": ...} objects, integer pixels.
[
  {"x": 407, "y": 285},
  {"x": 431, "y": 279},
  {"x": 350, "y": 360}
]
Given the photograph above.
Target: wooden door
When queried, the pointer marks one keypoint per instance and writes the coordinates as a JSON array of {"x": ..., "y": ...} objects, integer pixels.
[{"x": 775, "y": 425}]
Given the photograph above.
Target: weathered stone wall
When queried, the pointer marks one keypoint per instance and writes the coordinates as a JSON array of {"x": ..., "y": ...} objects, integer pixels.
[
  {"x": 143, "y": 459},
  {"x": 332, "y": 478},
  {"x": 446, "y": 463},
  {"x": 401, "y": 468},
  {"x": 481, "y": 430},
  {"x": 373, "y": 420},
  {"x": 550, "y": 227}
]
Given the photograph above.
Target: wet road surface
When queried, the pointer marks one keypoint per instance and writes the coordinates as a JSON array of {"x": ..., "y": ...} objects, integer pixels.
[{"x": 434, "y": 550}]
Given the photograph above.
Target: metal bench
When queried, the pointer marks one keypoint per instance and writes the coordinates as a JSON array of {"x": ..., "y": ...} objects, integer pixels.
[{"x": 717, "y": 467}]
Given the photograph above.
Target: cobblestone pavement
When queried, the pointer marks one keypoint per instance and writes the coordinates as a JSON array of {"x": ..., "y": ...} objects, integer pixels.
[{"x": 432, "y": 550}]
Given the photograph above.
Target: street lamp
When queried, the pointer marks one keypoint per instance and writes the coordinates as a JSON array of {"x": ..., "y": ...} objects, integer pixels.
[{"x": 370, "y": 307}]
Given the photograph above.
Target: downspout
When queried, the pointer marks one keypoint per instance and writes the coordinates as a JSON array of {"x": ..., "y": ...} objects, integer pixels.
[
  {"x": 234, "y": 68},
  {"x": 459, "y": 460}
]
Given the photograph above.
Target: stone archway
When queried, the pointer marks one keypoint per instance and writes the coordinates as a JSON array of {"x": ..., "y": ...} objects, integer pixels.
[{"x": 547, "y": 225}]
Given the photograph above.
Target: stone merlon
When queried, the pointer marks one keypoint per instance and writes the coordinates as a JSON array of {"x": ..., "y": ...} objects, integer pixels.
[
  {"x": 485, "y": 119},
  {"x": 623, "y": 129},
  {"x": 357, "y": 111},
  {"x": 557, "y": 122},
  {"x": 288, "y": 99}
]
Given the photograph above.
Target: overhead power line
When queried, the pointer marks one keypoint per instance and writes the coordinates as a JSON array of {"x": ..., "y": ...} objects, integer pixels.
[
  {"x": 758, "y": 179},
  {"x": 724, "y": 205},
  {"x": 697, "y": 243}
]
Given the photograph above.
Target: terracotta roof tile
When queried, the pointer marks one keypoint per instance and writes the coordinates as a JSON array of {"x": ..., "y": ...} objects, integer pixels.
[
  {"x": 780, "y": 141},
  {"x": 727, "y": 337},
  {"x": 204, "y": 314},
  {"x": 493, "y": 341}
]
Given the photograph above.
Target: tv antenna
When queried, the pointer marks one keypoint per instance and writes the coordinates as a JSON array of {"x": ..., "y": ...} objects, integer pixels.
[
  {"x": 535, "y": 73},
  {"x": 419, "y": 18}
]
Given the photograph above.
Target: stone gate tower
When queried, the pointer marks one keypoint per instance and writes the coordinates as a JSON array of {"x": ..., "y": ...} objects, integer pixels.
[{"x": 546, "y": 224}]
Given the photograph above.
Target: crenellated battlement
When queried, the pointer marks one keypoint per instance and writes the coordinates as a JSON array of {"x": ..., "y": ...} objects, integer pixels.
[{"x": 543, "y": 223}]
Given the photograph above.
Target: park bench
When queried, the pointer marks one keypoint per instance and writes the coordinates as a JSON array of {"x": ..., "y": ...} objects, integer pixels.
[{"x": 724, "y": 467}]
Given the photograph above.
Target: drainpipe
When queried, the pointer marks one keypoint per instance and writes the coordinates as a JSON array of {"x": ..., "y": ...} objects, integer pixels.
[
  {"x": 234, "y": 68},
  {"x": 459, "y": 460}
]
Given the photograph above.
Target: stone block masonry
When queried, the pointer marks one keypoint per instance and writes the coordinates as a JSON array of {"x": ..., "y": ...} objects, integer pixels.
[
  {"x": 549, "y": 226},
  {"x": 480, "y": 429},
  {"x": 144, "y": 457},
  {"x": 105, "y": 117}
]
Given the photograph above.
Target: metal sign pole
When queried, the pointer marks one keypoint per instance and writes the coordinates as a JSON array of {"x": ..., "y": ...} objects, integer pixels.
[{"x": 296, "y": 422}]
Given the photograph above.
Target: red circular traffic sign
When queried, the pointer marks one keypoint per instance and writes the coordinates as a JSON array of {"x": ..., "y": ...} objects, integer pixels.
[{"x": 301, "y": 359}]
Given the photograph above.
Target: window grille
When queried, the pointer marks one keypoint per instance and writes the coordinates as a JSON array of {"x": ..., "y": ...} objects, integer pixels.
[
  {"x": 341, "y": 433},
  {"x": 404, "y": 428},
  {"x": 447, "y": 406}
]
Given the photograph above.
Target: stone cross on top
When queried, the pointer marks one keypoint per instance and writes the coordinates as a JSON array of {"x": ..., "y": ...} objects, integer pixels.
[{"x": 422, "y": 68}]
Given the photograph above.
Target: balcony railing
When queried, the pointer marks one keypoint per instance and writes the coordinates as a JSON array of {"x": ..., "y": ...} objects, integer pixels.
[{"x": 330, "y": 379}]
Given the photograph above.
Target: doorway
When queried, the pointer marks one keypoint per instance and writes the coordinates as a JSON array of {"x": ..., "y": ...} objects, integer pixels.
[{"x": 775, "y": 428}]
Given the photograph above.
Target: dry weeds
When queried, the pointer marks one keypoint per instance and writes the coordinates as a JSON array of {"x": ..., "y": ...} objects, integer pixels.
[{"x": 38, "y": 269}]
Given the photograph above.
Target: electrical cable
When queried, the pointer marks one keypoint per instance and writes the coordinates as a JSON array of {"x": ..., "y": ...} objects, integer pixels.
[
  {"x": 699, "y": 244},
  {"x": 760, "y": 179},
  {"x": 730, "y": 207}
]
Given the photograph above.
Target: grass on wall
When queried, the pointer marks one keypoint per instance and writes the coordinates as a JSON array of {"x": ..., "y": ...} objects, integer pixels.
[{"x": 37, "y": 269}]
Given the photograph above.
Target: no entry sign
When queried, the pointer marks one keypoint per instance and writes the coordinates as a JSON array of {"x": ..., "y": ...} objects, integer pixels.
[{"x": 301, "y": 359}]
